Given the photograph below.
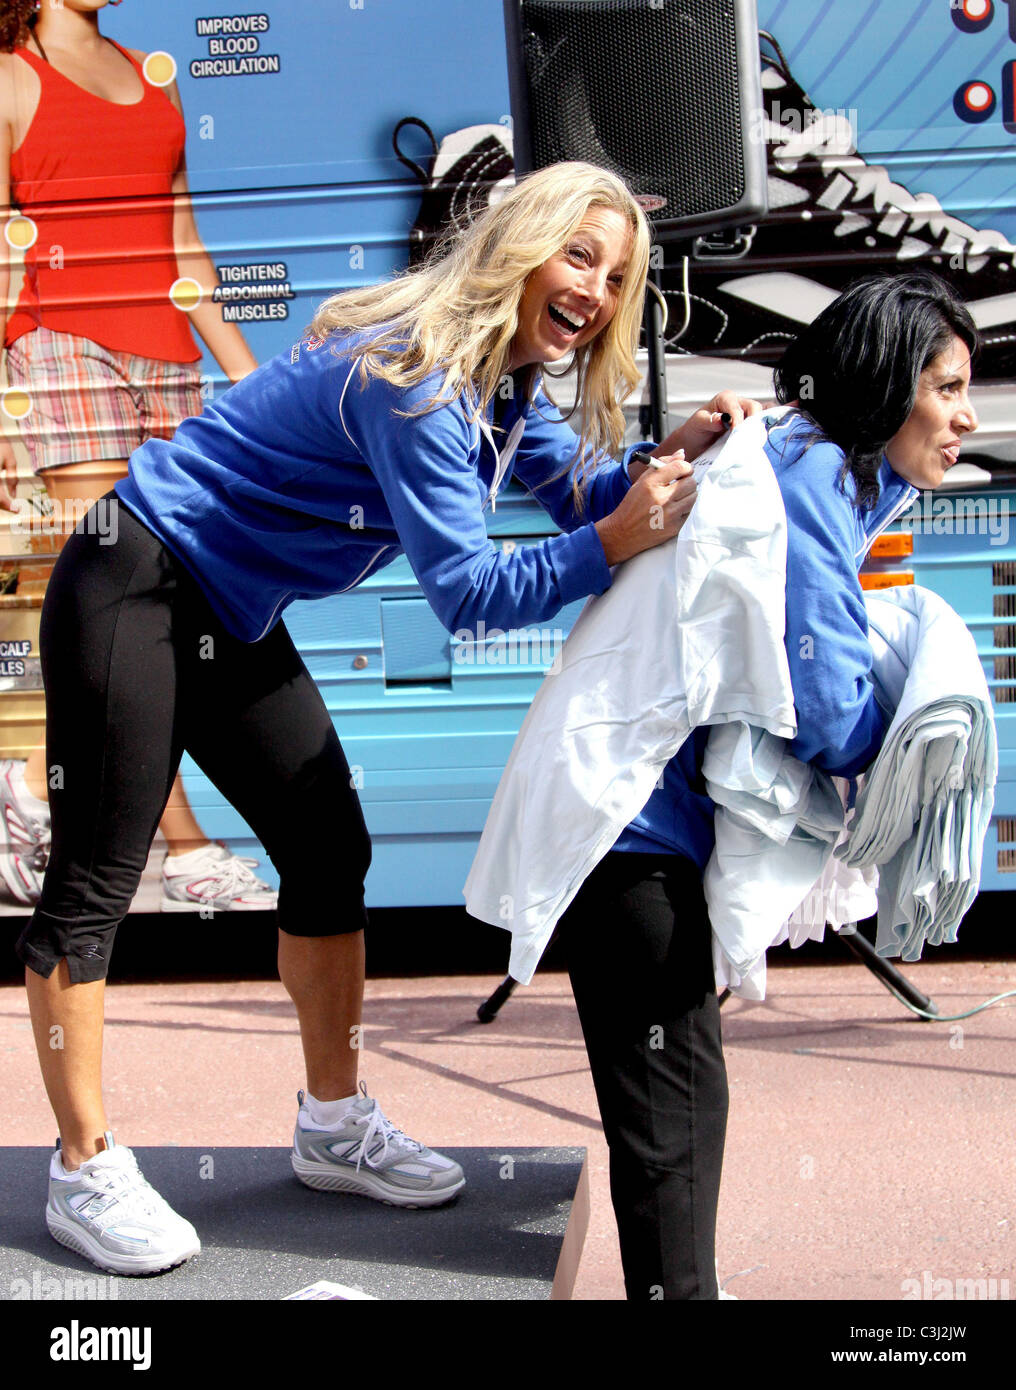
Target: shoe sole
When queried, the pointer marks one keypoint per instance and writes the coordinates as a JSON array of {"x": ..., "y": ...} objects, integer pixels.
[
  {"x": 326, "y": 1179},
  {"x": 174, "y": 905},
  {"x": 75, "y": 1239}
]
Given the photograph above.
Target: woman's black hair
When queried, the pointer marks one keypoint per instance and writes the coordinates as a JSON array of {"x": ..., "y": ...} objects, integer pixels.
[{"x": 854, "y": 370}]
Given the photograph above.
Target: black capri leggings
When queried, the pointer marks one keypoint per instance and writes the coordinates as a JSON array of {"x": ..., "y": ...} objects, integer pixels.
[
  {"x": 137, "y": 669},
  {"x": 639, "y": 947}
]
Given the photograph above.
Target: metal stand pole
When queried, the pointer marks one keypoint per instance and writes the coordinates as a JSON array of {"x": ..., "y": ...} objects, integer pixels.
[
  {"x": 658, "y": 416},
  {"x": 488, "y": 1010},
  {"x": 888, "y": 974},
  {"x": 854, "y": 942}
]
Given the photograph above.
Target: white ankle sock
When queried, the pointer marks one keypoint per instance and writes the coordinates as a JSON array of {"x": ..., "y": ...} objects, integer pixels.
[
  {"x": 36, "y": 808},
  {"x": 329, "y": 1112},
  {"x": 183, "y": 862}
]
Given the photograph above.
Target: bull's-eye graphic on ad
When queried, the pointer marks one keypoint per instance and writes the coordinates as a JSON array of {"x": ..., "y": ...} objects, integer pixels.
[
  {"x": 975, "y": 100},
  {"x": 974, "y": 15}
]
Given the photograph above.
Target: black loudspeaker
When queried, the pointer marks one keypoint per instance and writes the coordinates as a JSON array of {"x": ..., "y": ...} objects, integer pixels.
[{"x": 665, "y": 93}]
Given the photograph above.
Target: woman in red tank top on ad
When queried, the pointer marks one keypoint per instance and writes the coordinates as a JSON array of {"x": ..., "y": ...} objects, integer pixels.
[{"x": 93, "y": 191}]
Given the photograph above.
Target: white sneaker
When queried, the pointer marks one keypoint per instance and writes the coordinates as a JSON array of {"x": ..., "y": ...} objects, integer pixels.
[
  {"x": 107, "y": 1212},
  {"x": 211, "y": 877},
  {"x": 365, "y": 1153},
  {"x": 24, "y": 851}
]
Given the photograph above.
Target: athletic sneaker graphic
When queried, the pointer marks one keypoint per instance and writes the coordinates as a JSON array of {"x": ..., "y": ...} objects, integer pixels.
[
  {"x": 469, "y": 170},
  {"x": 832, "y": 218},
  {"x": 210, "y": 878},
  {"x": 24, "y": 852}
]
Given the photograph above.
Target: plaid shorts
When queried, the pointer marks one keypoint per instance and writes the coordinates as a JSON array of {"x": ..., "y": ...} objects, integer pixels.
[{"x": 89, "y": 402}]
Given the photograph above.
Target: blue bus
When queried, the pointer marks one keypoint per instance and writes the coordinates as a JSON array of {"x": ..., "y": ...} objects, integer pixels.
[{"x": 889, "y": 133}]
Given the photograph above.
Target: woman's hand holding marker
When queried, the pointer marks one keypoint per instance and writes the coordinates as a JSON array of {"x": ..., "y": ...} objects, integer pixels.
[{"x": 653, "y": 510}]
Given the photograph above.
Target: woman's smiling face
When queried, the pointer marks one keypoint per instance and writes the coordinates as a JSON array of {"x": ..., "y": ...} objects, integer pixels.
[
  {"x": 928, "y": 443},
  {"x": 573, "y": 296}
]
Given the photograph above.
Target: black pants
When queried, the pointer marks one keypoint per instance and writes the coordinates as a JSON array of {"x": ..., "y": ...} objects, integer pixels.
[
  {"x": 137, "y": 669},
  {"x": 639, "y": 952}
]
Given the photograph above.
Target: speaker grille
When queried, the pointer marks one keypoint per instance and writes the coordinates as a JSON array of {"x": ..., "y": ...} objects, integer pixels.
[{"x": 647, "y": 90}]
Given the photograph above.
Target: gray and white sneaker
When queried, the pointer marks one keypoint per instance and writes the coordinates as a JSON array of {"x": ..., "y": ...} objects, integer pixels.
[
  {"x": 107, "y": 1212},
  {"x": 366, "y": 1154}
]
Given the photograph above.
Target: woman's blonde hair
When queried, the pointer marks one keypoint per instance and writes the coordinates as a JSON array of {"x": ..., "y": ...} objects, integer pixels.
[{"x": 458, "y": 312}]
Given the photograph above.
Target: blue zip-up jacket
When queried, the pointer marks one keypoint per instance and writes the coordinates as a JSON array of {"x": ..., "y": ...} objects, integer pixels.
[
  {"x": 300, "y": 481},
  {"x": 839, "y": 724}
]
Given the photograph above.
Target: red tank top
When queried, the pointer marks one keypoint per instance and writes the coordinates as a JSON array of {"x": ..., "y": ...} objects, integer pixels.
[{"x": 96, "y": 179}]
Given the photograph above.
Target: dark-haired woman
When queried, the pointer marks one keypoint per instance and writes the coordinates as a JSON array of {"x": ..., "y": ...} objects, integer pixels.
[
  {"x": 879, "y": 386},
  {"x": 880, "y": 382}
]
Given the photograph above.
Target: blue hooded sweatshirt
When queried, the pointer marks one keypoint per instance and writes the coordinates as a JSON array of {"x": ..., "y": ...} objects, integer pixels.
[{"x": 301, "y": 480}]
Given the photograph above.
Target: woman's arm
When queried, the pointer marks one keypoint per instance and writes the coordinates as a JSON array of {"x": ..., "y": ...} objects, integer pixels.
[
  {"x": 426, "y": 467},
  {"x": 839, "y": 725},
  {"x": 224, "y": 340},
  {"x": 545, "y": 463}
]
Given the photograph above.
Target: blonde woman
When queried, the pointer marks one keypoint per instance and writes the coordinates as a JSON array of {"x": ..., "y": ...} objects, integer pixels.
[
  {"x": 106, "y": 356},
  {"x": 390, "y": 427}
]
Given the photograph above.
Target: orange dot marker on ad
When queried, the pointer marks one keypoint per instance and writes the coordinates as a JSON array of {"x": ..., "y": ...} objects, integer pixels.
[
  {"x": 159, "y": 68},
  {"x": 185, "y": 294}
]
